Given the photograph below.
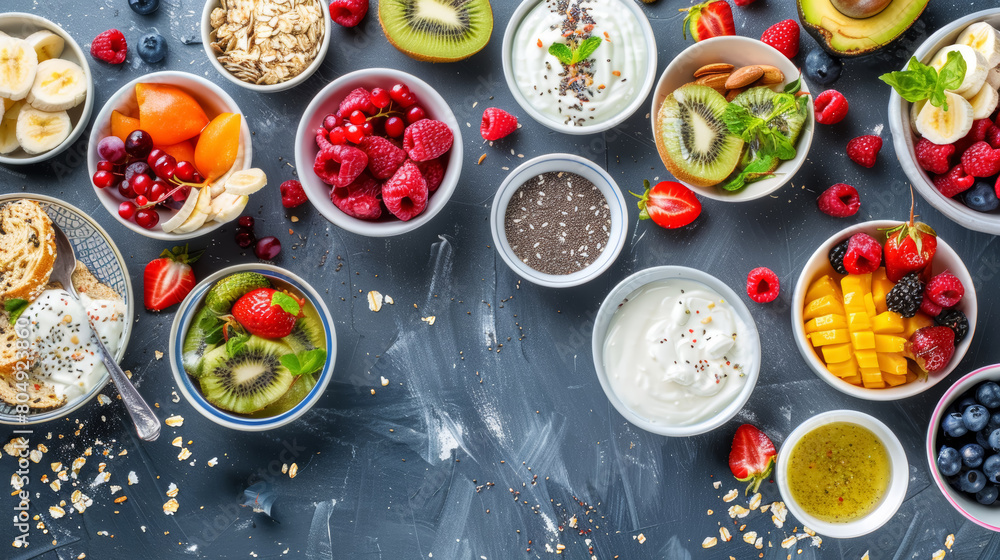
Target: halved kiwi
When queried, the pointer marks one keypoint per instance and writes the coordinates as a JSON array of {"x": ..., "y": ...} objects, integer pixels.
[
  {"x": 437, "y": 30},
  {"x": 307, "y": 334},
  {"x": 221, "y": 297},
  {"x": 694, "y": 143},
  {"x": 248, "y": 381},
  {"x": 299, "y": 390},
  {"x": 195, "y": 346},
  {"x": 760, "y": 102}
]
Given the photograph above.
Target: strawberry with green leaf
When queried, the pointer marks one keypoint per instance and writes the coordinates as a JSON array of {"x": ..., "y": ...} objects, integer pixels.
[
  {"x": 709, "y": 19},
  {"x": 752, "y": 457},
  {"x": 909, "y": 247},
  {"x": 267, "y": 313}
]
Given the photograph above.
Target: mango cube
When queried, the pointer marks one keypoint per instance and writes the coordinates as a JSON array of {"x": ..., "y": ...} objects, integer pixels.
[
  {"x": 844, "y": 369},
  {"x": 836, "y": 353},
  {"x": 881, "y": 285},
  {"x": 893, "y": 380},
  {"x": 918, "y": 321},
  {"x": 863, "y": 340},
  {"x": 870, "y": 305},
  {"x": 892, "y": 363},
  {"x": 827, "y": 322},
  {"x": 867, "y": 359},
  {"x": 838, "y": 336},
  {"x": 825, "y": 305},
  {"x": 889, "y": 343},
  {"x": 872, "y": 379},
  {"x": 858, "y": 322},
  {"x": 888, "y": 322},
  {"x": 824, "y": 286},
  {"x": 855, "y": 380}
]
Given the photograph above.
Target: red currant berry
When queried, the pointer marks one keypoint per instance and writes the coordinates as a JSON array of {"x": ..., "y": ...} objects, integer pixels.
[
  {"x": 354, "y": 134},
  {"x": 184, "y": 171},
  {"x": 197, "y": 178},
  {"x": 330, "y": 122},
  {"x": 380, "y": 98},
  {"x": 155, "y": 155},
  {"x": 158, "y": 191},
  {"x": 125, "y": 189},
  {"x": 141, "y": 183},
  {"x": 368, "y": 129},
  {"x": 246, "y": 221},
  {"x": 401, "y": 94},
  {"x": 141, "y": 200},
  {"x": 414, "y": 114},
  {"x": 181, "y": 194},
  {"x": 165, "y": 167},
  {"x": 358, "y": 118},
  {"x": 103, "y": 179},
  {"x": 147, "y": 218},
  {"x": 105, "y": 165},
  {"x": 338, "y": 135},
  {"x": 126, "y": 210},
  {"x": 394, "y": 127}
]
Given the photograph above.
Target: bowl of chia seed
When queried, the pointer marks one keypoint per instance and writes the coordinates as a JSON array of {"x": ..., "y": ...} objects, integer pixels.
[{"x": 559, "y": 220}]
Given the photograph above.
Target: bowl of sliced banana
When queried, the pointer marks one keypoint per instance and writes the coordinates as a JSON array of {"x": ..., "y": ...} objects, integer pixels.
[{"x": 46, "y": 89}]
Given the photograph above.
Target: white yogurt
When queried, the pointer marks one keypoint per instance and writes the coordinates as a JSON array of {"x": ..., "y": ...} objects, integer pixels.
[
  {"x": 68, "y": 357},
  {"x": 608, "y": 81},
  {"x": 675, "y": 352}
]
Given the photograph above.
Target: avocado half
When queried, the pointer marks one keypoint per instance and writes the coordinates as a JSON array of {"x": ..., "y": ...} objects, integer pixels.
[{"x": 845, "y": 36}]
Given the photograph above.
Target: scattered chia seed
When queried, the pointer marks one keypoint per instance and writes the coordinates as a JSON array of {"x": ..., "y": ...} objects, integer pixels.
[{"x": 557, "y": 223}]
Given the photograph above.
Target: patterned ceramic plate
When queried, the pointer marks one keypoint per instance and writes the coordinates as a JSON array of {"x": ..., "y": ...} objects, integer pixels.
[{"x": 95, "y": 249}]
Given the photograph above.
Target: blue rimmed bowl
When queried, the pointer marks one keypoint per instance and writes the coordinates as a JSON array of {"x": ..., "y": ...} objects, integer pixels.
[
  {"x": 189, "y": 386},
  {"x": 589, "y": 171}
]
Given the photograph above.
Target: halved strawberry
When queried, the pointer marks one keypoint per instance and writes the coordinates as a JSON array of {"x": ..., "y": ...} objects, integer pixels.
[
  {"x": 752, "y": 457},
  {"x": 669, "y": 204},
  {"x": 267, "y": 313},
  {"x": 709, "y": 19},
  {"x": 168, "y": 279}
]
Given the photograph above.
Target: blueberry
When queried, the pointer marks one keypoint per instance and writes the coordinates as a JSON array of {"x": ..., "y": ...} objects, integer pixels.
[
  {"x": 965, "y": 402},
  {"x": 972, "y": 455},
  {"x": 144, "y": 7},
  {"x": 152, "y": 47},
  {"x": 991, "y": 468},
  {"x": 982, "y": 197},
  {"x": 976, "y": 417},
  {"x": 953, "y": 426},
  {"x": 822, "y": 68},
  {"x": 971, "y": 481},
  {"x": 983, "y": 439},
  {"x": 987, "y": 495},
  {"x": 994, "y": 422},
  {"x": 988, "y": 395},
  {"x": 949, "y": 462}
]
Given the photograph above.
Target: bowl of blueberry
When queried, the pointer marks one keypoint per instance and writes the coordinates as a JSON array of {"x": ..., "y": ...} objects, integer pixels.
[{"x": 963, "y": 446}]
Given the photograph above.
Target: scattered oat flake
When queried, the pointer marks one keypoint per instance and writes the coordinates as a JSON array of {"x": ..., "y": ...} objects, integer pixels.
[
  {"x": 764, "y": 508},
  {"x": 949, "y": 541},
  {"x": 132, "y": 478},
  {"x": 177, "y": 442},
  {"x": 429, "y": 320},
  {"x": 56, "y": 512},
  {"x": 115, "y": 489},
  {"x": 101, "y": 478},
  {"x": 641, "y": 538},
  {"x": 759, "y": 543},
  {"x": 103, "y": 399},
  {"x": 35, "y": 456},
  {"x": 709, "y": 542},
  {"x": 817, "y": 541},
  {"x": 56, "y": 467},
  {"x": 572, "y": 522},
  {"x": 755, "y": 501},
  {"x": 293, "y": 470},
  {"x": 170, "y": 507},
  {"x": 808, "y": 531},
  {"x": 778, "y": 513},
  {"x": 213, "y": 461},
  {"x": 184, "y": 454},
  {"x": 385, "y": 382},
  {"x": 174, "y": 421},
  {"x": 174, "y": 397},
  {"x": 738, "y": 511},
  {"x": 717, "y": 484},
  {"x": 81, "y": 501},
  {"x": 731, "y": 495},
  {"x": 939, "y": 555},
  {"x": 78, "y": 464},
  {"x": 389, "y": 300},
  {"x": 284, "y": 468},
  {"x": 158, "y": 354},
  {"x": 120, "y": 499},
  {"x": 750, "y": 537},
  {"x": 725, "y": 534},
  {"x": 481, "y": 158},
  {"x": 172, "y": 490},
  {"x": 710, "y": 512},
  {"x": 789, "y": 542},
  {"x": 374, "y": 301},
  {"x": 55, "y": 486},
  {"x": 14, "y": 446}
]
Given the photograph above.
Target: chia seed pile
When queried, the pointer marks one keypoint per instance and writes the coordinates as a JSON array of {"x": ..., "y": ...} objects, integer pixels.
[{"x": 557, "y": 223}]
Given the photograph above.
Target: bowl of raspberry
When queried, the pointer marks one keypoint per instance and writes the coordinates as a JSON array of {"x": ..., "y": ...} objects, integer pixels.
[
  {"x": 952, "y": 156},
  {"x": 884, "y": 310},
  {"x": 379, "y": 152}
]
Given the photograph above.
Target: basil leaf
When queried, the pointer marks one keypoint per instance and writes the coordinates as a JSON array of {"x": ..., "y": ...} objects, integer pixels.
[
  {"x": 304, "y": 363},
  {"x": 795, "y": 86},
  {"x": 236, "y": 343},
  {"x": 757, "y": 169},
  {"x": 561, "y": 52},
  {"x": 15, "y": 307},
  {"x": 287, "y": 303},
  {"x": 209, "y": 323},
  {"x": 214, "y": 334},
  {"x": 586, "y": 48},
  {"x": 950, "y": 77},
  {"x": 738, "y": 119}
]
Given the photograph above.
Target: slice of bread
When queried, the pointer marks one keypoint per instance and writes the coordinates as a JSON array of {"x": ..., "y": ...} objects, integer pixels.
[
  {"x": 41, "y": 396},
  {"x": 27, "y": 250}
]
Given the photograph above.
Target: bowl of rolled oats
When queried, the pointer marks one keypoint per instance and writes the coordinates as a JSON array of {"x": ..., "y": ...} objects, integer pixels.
[{"x": 266, "y": 45}]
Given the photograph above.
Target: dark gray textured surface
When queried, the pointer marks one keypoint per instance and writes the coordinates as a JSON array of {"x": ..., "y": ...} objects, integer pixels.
[{"x": 395, "y": 475}]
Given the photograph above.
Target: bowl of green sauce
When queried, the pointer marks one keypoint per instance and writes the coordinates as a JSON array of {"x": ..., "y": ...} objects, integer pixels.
[{"x": 842, "y": 473}]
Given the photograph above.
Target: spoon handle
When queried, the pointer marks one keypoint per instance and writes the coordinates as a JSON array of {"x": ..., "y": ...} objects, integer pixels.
[{"x": 146, "y": 423}]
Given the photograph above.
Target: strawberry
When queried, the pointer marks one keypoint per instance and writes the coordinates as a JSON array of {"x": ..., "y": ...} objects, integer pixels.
[
  {"x": 669, "y": 204},
  {"x": 752, "y": 456},
  {"x": 709, "y": 19},
  {"x": 783, "y": 36},
  {"x": 931, "y": 347},
  {"x": 909, "y": 247},
  {"x": 268, "y": 313},
  {"x": 168, "y": 279}
]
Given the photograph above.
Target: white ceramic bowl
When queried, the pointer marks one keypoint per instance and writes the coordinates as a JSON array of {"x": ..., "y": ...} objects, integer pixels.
[
  {"x": 898, "y": 467},
  {"x": 206, "y": 42},
  {"x": 819, "y": 264},
  {"x": 738, "y": 51},
  {"x": 21, "y": 25},
  {"x": 189, "y": 386},
  {"x": 904, "y": 138},
  {"x": 655, "y": 274},
  {"x": 327, "y": 101},
  {"x": 572, "y": 164},
  {"x": 212, "y": 99},
  {"x": 984, "y": 516},
  {"x": 647, "y": 79}
]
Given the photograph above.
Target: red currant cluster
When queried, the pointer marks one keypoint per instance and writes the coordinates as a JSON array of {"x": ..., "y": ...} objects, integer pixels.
[
  {"x": 365, "y": 114},
  {"x": 146, "y": 176},
  {"x": 265, "y": 248}
]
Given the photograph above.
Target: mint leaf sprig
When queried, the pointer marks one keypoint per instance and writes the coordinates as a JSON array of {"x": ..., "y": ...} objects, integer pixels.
[
  {"x": 569, "y": 56},
  {"x": 15, "y": 307},
  {"x": 741, "y": 122},
  {"x": 304, "y": 363},
  {"x": 919, "y": 81}
]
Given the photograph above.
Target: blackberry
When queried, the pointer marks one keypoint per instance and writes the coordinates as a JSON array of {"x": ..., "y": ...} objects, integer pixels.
[
  {"x": 837, "y": 254},
  {"x": 954, "y": 320},
  {"x": 905, "y": 297}
]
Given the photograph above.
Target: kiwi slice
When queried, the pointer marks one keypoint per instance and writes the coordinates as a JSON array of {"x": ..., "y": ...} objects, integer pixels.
[
  {"x": 437, "y": 30},
  {"x": 299, "y": 390},
  {"x": 248, "y": 381},
  {"x": 694, "y": 143},
  {"x": 307, "y": 334},
  {"x": 221, "y": 297},
  {"x": 760, "y": 102},
  {"x": 195, "y": 344}
]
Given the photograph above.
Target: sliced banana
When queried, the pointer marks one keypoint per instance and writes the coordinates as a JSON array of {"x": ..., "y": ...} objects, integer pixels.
[
  {"x": 944, "y": 127},
  {"x": 183, "y": 213},
  {"x": 8, "y": 126},
  {"x": 984, "y": 38},
  {"x": 984, "y": 102},
  {"x": 47, "y": 44},
  {"x": 18, "y": 63},
  {"x": 246, "y": 181},
  {"x": 993, "y": 78},
  {"x": 219, "y": 184},
  {"x": 40, "y": 131},
  {"x": 227, "y": 207},
  {"x": 975, "y": 63},
  {"x": 200, "y": 214},
  {"x": 915, "y": 108},
  {"x": 59, "y": 85}
]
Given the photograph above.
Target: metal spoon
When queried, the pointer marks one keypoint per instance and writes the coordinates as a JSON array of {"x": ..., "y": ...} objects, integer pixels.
[{"x": 145, "y": 420}]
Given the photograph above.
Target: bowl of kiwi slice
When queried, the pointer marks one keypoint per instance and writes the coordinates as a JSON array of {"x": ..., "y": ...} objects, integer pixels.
[{"x": 252, "y": 347}]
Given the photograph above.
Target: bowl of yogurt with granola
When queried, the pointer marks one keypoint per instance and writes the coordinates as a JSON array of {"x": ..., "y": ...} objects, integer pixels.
[{"x": 579, "y": 66}]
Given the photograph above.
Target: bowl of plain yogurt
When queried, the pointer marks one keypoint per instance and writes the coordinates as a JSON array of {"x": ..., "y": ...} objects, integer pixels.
[
  {"x": 579, "y": 66},
  {"x": 676, "y": 350}
]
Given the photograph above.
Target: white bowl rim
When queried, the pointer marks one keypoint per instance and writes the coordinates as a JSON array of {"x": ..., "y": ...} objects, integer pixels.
[
  {"x": 894, "y": 495},
  {"x": 963, "y": 384},
  {"x": 669, "y": 272},
  {"x": 574, "y": 164},
  {"x": 164, "y": 76},
  {"x": 438, "y": 199},
  {"x": 970, "y": 303},
  {"x": 786, "y": 170},
  {"x": 899, "y": 125},
  {"x": 232, "y": 420},
  {"x": 206, "y": 41},
  {"x": 88, "y": 103},
  {"x": 628, "y": 111}
]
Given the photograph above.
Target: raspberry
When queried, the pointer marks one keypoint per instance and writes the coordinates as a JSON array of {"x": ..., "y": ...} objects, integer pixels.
[
  {"x": 427, "y": 139},
  {"x": 976, "y": 134},
  {"x": 384, "y": 157},
  {"x": 292, "y": 194},
  {"x": 358, "y": 100},
  {"x": 348, "y": 12},
  {"x": 864, "y": 254},
  {"x": 339, "y": 165},
  {"x": 110, "y": 47},
  {"x": 830, "y": 107},
  {"x": 906, "y": 296},
  {"x": 954, "y": 182},
  {"x": 783, "y": 36},
  {"x": 945, "y": 289},
  {"x": 360, "y": 199},
  {"x": 864, "y": 149},
  {"x": 433, "y": 172},
  {"x": 839, "y": 201},
  {"x": 497, "y": 123},
  {"x": 981, "y": 160},
  {"x": 405, "y": 194},
  {"x": 930, "y": 308},
  {"x": 993, "y": 137},
  {"x": 763, "y": 285},
  {"x": 322, "y": 138},
  {"x": 934, "y": 158}
]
